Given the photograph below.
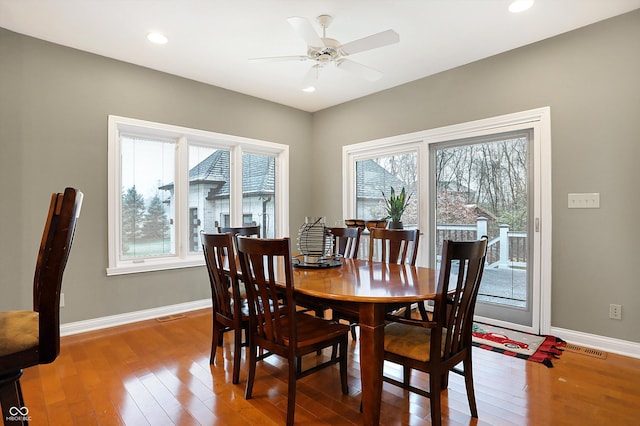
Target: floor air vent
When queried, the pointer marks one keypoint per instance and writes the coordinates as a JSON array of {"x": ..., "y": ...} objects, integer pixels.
[
  {"x": 170, "y": 317},
  {"x": 585, "y": 351}
]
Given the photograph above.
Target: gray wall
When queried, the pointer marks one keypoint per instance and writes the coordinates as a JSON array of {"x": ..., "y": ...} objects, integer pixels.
[
  {"x": 54, "y": 103},
  {"x": 591, "y": 80}
]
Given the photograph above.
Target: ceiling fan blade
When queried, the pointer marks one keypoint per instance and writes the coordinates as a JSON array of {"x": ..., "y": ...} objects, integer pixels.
[
  {"x": 281, "y": 58},
  {"x": 367, "y": 73},
  {"x": 311, "y": 78},
  {"x": 305, "y": 31},
  {"x": 374, "y": 41}
]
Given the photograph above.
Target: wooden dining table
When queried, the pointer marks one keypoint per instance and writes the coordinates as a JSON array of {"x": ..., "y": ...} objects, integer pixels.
[{"x": 371, "y": 289}]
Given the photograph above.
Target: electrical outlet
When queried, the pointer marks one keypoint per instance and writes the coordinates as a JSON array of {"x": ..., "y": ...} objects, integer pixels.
[
  {"x": 615, "y": 312},
  {"x": 62, "y": 300}
]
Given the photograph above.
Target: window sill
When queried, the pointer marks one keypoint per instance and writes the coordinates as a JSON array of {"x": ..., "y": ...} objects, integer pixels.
[{"x": 153, "y": 266}]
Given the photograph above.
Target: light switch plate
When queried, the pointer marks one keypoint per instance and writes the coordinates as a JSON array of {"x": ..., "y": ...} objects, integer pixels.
[{"x": 588, "y": 200}]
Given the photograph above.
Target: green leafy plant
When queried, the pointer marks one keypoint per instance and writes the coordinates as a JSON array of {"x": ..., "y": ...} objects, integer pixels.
[{"x": 396, "y": 204}]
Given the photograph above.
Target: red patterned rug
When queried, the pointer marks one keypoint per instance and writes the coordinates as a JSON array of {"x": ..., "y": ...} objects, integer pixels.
[{"x": 532, "y": 347}]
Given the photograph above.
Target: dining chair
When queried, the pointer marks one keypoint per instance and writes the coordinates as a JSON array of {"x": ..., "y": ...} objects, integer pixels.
[
  {"x": 230, "y": 310},
  {"x": 346, "y": 241},
  {"x": 438, "y": 346},
  {"x": 395, "y": 245},
  {"x": 251, "y": 230},
  {"x": 279, "y": 328},
  {"x": 29, "y": 338}
]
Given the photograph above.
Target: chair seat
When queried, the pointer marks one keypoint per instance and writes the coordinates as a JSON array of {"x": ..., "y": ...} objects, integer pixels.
[
  {"x": 409, "y": 341},
  {"x": 312, "y": 330},
  {"x": 18, "y": 331}
]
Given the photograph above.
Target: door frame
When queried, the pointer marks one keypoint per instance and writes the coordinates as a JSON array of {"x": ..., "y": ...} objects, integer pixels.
[{"x": 539, "y": 120}]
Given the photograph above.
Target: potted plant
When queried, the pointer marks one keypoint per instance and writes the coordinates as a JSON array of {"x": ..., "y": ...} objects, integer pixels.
[{"x": 395, "y": 206}]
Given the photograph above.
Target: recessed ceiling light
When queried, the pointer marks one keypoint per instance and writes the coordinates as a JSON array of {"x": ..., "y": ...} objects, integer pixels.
[
  {"x": 157, "y": 38},
  {"x": 520, "y": 5},
  {"x": 309, "y": 89}
]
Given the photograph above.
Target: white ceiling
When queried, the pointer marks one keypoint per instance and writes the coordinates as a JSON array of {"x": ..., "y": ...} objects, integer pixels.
[{"x": 212, "y": 40}]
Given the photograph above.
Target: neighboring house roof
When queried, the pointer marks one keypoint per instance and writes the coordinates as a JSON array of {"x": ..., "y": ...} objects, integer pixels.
[
  {"x": 213, "y": 169},
  {"x": 258, "y": 177},
  {"x": 372, "y": 178}
]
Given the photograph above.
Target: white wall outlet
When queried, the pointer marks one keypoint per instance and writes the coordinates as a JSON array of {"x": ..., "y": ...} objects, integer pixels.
[
  {"x": 62, "y": 300},
  {"x": 615, "y": 311},
  {"x": 589, "y": 200}
]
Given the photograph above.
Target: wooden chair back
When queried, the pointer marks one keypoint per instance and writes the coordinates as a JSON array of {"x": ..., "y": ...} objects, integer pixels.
[
  {"x": 346, "y": 242},
  {"x": 251, "y": 231},
  {"x": 396, "y": 245},
  {"x": 248, "y": 231},
  {"x": 55, "y": 247}
]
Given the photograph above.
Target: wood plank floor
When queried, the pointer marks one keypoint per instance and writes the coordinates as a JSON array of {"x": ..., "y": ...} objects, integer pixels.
[{"x": 158, "y": 373}]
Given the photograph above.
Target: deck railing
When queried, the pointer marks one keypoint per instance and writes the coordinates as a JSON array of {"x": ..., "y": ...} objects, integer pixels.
[{"x": 509, "y": 248}]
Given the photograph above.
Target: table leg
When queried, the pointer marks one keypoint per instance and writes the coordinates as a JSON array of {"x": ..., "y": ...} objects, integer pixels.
[{"x": 371, "y": 360}]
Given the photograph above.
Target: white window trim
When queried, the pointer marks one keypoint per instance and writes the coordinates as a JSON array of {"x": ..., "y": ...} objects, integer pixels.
[
  {"x": 236, "y": 144},
  {"x": 539, "y": 119}
]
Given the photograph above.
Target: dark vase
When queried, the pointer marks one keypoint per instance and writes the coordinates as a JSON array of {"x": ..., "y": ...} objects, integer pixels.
[{"x": 395, "y": 225}]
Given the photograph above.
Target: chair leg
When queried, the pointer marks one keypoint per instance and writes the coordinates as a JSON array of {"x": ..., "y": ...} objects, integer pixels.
[
  {"x": 320, "y": 314},
  {"x": 237, "y": 354},
  {"x": 11, "y": 397},
  {"x": 444, "y": 383},
  {"x": 468, "y": 380},
  {"x": 291, "y": 393},
  {"x": 406, "y": 375},
  {"x": 434, "y": 399},
  {"x": 353, "y": 332},
  {"x": 343, "y": 366},
  {"x": 423, "y": 311},
  {"x": 251, "y": 375},
  {"x": 407, "y": 311},
  {"x": 215, "y": 342}
]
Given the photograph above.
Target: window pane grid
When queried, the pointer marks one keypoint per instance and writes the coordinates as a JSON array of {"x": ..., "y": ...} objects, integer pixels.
[
  {"x": 374, "y": 179},
  {"x": 147, "y": 171}
]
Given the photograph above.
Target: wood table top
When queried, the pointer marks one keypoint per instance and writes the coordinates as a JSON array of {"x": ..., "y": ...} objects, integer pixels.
[{"x": 364, "y": 281}]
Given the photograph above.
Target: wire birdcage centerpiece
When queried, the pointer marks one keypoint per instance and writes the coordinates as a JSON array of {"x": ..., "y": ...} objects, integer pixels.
[{"x": 315, "y": 241}]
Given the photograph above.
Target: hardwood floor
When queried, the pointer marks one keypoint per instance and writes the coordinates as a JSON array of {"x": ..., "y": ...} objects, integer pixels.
[{"x": 158, "y": 373}]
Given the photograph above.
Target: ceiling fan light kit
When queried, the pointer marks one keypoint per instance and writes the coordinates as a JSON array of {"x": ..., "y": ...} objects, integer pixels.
[{"x": 324, "y": 51}]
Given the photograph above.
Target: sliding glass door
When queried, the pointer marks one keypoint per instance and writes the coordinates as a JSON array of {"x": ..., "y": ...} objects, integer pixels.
[{"x": 481, "y": 186}]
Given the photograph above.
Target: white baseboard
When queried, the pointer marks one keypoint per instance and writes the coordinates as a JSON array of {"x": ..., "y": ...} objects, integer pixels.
[
  {"x": 621, "y": 347},
  {"x": 129, "y": 317},
  {"x": 607, "y": 344}
]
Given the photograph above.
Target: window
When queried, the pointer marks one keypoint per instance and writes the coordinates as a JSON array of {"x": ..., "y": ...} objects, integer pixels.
[
  {"x": 376, "y": 176},
  {"x": 168, "y": 183}
]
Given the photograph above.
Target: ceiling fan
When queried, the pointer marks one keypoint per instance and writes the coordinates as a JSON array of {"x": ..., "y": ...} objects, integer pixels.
[{"x": 324, "y": 51}]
